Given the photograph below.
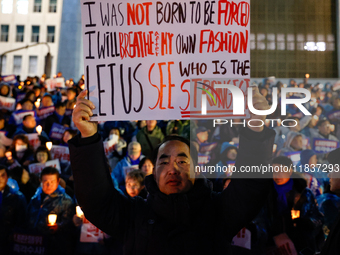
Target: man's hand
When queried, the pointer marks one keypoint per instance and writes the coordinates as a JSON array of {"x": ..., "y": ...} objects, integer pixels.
[
  {"x": 259, "y": 103},
  {"x": 81, "y": 116}
]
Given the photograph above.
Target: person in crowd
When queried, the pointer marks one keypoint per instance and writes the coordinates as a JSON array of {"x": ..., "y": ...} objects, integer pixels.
[
  {"x": 134, "y": 184},
  {"x": 293, "y": 143},
  {"x": 292, "y": 219},
  {"x": 21, "y": 150},
  {"x": 71, "y": 98},
  {"x": 177, "y": 200},
  {"x": 42, "y": 155},
  {"x": 120, "y": 147},
  {"x": 149, "y": 137},
  {"x": 129, "y": 162},
  {"x": 51, "y": 198},
  {"x": 309, "y": 124},
  {"x": 5, "y": 139},
  {"x": 57, "y": 117},
  {"x": 26, "y": 106},
  {"x": 12, "y": 210},
  {"x": 46, "y": 101},
  {"x": 5, "y": 90},
  {"x": 68, "y": 134},
  {"x": 146, "y": 166},
  {"x": 28, "y": 126},
  {"x": 332, "y": 244},
  {"x": 27, "y": 185}
]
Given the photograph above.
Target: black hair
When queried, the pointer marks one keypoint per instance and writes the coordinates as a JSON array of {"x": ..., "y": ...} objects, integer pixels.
[
  {"x": 60, "y": 104},
  {"x": 141, "y": 163},
  {"x": 136, "y": 175},
  {"x": 49, "y": 171},
  {"x": 192, "y": 147},
  {"x": 282, "y": 160},
  {"x": 320, "y": 122},
  {"x": 26, "y": 116}
]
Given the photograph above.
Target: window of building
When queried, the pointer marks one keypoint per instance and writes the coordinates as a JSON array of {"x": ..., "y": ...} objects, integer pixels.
[
  {"x": 53, "y": 6},
  {"x": 50, "y": 34},
  {"x": 291, "y": 38},
  {"x": 4, "y": 33},
  {"x": 37, "y": 6},
  {"x": 33, "y": 65},
  {"x": 17, "y": 65},
  {"x": 7, "y": 6},
  {"x": 22, "y": 6},
  {"x": 3, "y": 64},
  {"x": 20, "y": 34},
  {"x": 35, "y": 34}
]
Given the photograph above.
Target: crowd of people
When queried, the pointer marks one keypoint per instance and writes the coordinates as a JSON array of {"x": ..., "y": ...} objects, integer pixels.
[{"x": 36, "y": 182}]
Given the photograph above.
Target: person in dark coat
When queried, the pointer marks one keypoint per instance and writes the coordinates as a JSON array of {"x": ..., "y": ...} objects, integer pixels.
[
  {"x": 58, "y": 117},
  {"x": 51, "y": 198},
  {"x": 12, "y": 210},
  {"x": 332, "y": 245},
  {"x": 182, "y": 215}
]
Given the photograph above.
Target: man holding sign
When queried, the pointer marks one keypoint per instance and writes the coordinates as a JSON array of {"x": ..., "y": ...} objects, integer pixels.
[{"x": 182, "y": 215}]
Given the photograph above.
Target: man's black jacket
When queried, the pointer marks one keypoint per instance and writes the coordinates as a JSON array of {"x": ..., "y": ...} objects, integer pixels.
[{"x": 198, "y": 222}]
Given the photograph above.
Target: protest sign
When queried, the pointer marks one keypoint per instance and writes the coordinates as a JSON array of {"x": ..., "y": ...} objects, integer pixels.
[
  {"x": 203, "y": 159},
  {"x": 60, "y": 152},
  {"x": 324, "y": 145},
  {"x": 52, "y": 84},
  {"x": 7, "y": 103},
  {"x": 24, "y": 243},
  {"x": 57, "y": 131},
  {"x": 336, "y": 86},
  {"x": 334, "y": 116},
  {"x": 43, "y": 113},
  {"x": 34, "y": 140},
  {"x": 141, "y": 59},
  {"x": 242, "y": 239},
  {"x": 10, "y": 79},
  {"x": 90, "y": 233},
  {"x": 128, "y": 169},
  {"x": 109, "y": 146},
  {"x": 19, "y": 115},
  {"x": 294, "y": 156},
  {"x": 38, "y": 167}
]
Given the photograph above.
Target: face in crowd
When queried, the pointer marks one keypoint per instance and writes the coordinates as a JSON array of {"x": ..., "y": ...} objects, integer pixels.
[
  {"x": 283, "y": 176},
  {"x": 29, "y": 122},
  {"x": 151, "y": 124},
  {"x": 42, "y": 157},
  {"x": 20, "y": 145},
  {"x": 325, "y": 128},
  {"x": 297, "y": 143},
  {"x": 173, "y": 167},
  {"x": 3, "y": 179},
  {"x": 133, "y": 187},
  {"x": 147, "y": 167},
  {"x": 46, "y": 101},
  {"x": 49, "y": 183},
  {"x": 134, "y": 150}
]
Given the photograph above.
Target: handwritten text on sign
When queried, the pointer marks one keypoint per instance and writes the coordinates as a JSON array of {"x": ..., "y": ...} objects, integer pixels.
[{"x": 140, "y": 56}]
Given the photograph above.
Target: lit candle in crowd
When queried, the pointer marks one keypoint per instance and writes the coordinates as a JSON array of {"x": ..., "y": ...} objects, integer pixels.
[
  {"x": 279, "y": 122},
  {"x": 267, "y": 122},
  {"x": 332, "y": 127},
  {"x": 295, "y": 214},
  {"x": 37, "y": 104},
  {"x": 39, "y": 129},
  {"x": 52, "y": 219},
  {"x": 316, "y": 117},
  {"x": 274, "y": 147},
  {"x": 8, "y": 155},
  {"x": 307, "y": 75},
  {"x": 79, "y": 212},
  {"x": 49, "y": 145},
  {"x": 232, "y": 143}
]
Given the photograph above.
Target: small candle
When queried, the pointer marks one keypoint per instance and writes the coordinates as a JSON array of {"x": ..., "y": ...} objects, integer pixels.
[
  {"x": 49, "y": 145},
  {"x": 8, "y": 155},
  {"x": 37, "y": 104},
  {"x": 295, "y": 214},
  {"x": 52, "y": 219},
  {"x": 39, "y": 129},
  {"x": 274, "y": 147},
  {"x": 332, "y": 127},
  {"x": 267, "y": 122},
  {"x": 79, "y": 212}
]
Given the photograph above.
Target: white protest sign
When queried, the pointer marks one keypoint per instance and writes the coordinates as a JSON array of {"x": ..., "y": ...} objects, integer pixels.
[
  {"x": 109, "y": 146},
  {"x": 60, "y": 152},
  {"x": 90, "y": 233},
  {"x": 7, "y": 103},
  {"x": 52, "y": 84},
  {"x": 43, "y": 113},
  {"x": 141, "y": 56},
  {"x": 34, "y": 140},
  {"x": 19, "y": 115},
  {"x": 243, "y": 239},
  {"x": 38, "y": 167}
]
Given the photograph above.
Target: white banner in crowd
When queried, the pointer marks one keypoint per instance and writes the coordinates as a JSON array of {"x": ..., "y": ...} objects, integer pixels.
[
  {"x": 60, "y": 152},
  {"x": 90, "y": 233},
  {"x": 7, "y": 103},
  {"x": 34, "y": 140},
  {"x": 38, "y": 167},
  {"x": 141, "y": 56},
  {"x": 18, "y": 116},
  {"x": 52, "y": 84}
]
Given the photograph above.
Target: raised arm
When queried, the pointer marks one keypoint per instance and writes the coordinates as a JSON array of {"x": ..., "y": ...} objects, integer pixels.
[{"x": 102, "y": 204}]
